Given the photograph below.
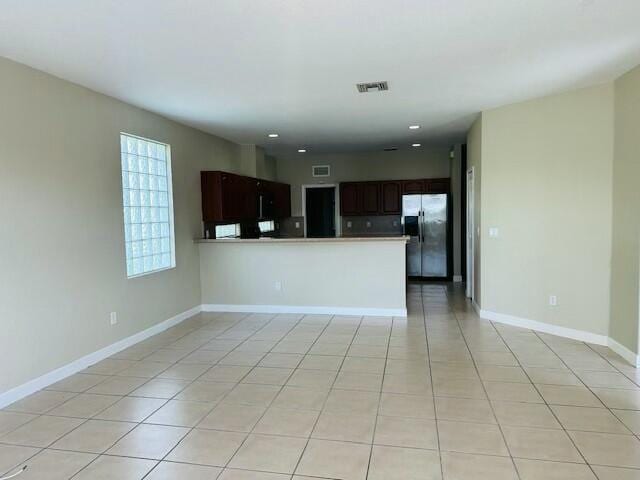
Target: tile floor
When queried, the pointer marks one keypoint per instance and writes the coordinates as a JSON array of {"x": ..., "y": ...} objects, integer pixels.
[{"x": 440, "y": 394}]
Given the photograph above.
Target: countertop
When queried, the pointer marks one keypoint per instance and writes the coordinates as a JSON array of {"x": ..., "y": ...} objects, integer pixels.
[{"x": 395, "y": 238}]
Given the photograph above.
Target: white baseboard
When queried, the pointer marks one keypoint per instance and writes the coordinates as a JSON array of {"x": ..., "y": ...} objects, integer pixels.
[
  {"x": 80, "y": 364},
  {"x": 307, "y": 310},
  {"x": 579, "y": 335},
  {"x": 624, "y": 352},
  {"x": 457, "y": 279}
]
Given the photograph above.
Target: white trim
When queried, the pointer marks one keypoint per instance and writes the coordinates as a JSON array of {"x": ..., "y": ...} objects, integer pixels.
[
  {"x": 80, "y": 364},
  {"x": 580, "y": 335},
  {"x": 309, "y": 310},
  {"x": 624, "y": 352},
  {"x": 336, "y": 188},
  {"x": 457, "y": 279},
  {"x": 470, "y": 233}
]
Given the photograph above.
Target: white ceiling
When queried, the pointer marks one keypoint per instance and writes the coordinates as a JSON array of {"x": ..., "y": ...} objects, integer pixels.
[{"x": 243, "y": 68}]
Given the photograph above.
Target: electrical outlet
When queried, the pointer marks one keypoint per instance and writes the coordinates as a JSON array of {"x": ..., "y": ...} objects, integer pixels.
[
  {"x": 368, "y": 224},
  {"x": 349, "y": 224},
  {"x": 113, "y": 318},
  {"x": 278, "y": 286},
  {"x": 297, "y": 224},
  {"x": 395, "y": 223},
  {"x": 553, "y": 300},
  {"x": 494, "y": 232}
]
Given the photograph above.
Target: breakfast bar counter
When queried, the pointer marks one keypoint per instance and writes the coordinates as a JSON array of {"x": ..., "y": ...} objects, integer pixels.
[{"x": 339, "y": 276}]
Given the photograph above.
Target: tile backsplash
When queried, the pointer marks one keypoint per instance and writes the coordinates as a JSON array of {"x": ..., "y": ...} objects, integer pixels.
[
  {"x": 291, "y": 227},
  {"x": 373, "y": 225}
]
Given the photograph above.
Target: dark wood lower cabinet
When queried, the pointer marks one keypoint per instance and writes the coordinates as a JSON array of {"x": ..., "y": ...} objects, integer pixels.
[{"x": 384, "y": 197}]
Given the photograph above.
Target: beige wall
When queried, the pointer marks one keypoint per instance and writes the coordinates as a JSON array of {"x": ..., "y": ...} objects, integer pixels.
[
  {"x": 625, "y": 293},
  {"x": 266, "y": 166},
  {"x": 245, "y": 273},
  {"x": 456, "y": 185},
  {"x": 474, "y": 160},
  {"x": 547, "y": 185},
  {"x": 62, "y": 267},
  {"x": 345, "y": 167}
]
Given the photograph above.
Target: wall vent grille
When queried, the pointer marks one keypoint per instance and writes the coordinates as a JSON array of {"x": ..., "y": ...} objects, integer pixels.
[
  {"x": 321, "y": 170},
  {"x": 372, "y": 87}
]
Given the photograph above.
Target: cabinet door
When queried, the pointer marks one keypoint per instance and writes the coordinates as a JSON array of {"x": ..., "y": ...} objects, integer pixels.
[
  {"x": 248, "y": 198},
  {"x": 211, "y": 196},
  {"x": 391, "y": 198},
  {"x": 350, "y": 202},
  {"x": 230, "y": 206},
  {"x": 282, "y": 199},
  {"x": 370, "y": 198},
  {"x": 439, "y": 185},
  {"x": 413, "y": 186}
]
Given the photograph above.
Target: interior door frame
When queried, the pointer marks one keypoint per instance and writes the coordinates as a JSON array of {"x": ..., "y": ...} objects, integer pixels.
[
  {"x": 470, "y": 221},
  {"x": 336, "y": 204}
]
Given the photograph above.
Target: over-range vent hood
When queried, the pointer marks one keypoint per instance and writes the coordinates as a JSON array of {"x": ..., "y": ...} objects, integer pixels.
[{"x": 372, "y": 87}]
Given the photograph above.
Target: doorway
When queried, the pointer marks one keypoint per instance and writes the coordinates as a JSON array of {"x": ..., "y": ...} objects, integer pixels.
[
  {"x": 470, "y": 235},
  {"x": 319, "y": 211}
]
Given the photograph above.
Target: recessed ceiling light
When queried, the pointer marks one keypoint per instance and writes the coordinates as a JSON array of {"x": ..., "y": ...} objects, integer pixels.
[
  {"x": 302, "y": 150},
  {"x": 416, "y": 145},
  {"x": 414, "y": 127},
  {"x": 273, "y": 135}
]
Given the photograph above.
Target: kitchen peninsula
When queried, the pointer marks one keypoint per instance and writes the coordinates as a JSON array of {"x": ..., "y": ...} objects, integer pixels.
[{"x": 340, "y": 276}]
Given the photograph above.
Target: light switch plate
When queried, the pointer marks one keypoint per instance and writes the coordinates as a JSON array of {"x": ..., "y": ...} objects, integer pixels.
[
  {"x": 297, "y": 224},
  {"x": 113, "y": 318},
  {"x": 494, "y": 232}
]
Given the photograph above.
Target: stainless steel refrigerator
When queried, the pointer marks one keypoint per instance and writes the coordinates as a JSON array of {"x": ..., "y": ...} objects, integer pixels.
[{"x": 424, "y": 218}]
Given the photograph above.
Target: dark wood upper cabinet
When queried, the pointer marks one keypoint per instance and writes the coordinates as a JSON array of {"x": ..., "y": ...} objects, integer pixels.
[
  {"x": 211, "y": 188},
  {"x": 384, "y": 197},
  {"x": 370, "y": 192},
  {"x": 350, "y": 200},
  {"x": 439, "y": 185},
  {"x": 391, "y": 202},
  {"x": 227, "y": 197},
  {"x": 282, "y": 199},
  {"x": 413, "y": 186}
]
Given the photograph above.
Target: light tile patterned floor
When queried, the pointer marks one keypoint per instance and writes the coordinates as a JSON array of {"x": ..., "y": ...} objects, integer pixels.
[{"x": 440, "y": 394}]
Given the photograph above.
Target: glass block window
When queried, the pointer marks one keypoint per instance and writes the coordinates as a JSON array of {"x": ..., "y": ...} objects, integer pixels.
[
  {"x": 147, "y": 201},
  {"x": 267, "y": 226},
  {"x": 228, "y": 231}
]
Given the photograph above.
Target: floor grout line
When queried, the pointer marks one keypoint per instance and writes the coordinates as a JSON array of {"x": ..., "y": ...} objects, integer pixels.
[
  {"x": 433, "y": 395},
  {"x": 473, "y": 361},
  {"x": 261, "y": 329}
]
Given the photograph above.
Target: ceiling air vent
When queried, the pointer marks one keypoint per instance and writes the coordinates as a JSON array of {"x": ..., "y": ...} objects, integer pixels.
[
  {"x": 321, "y": 170},
  {"x": 372, "y": 87}
]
